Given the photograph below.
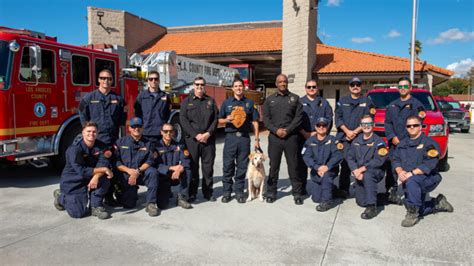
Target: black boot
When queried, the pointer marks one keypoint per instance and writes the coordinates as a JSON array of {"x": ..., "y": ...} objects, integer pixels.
[
  {"x": 369, "y": 212},
  {"x": 412, "y": 217},
  {"x": 442, "y": 204}
]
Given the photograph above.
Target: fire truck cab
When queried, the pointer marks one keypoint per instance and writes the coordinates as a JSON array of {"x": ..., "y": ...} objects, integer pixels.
[{"x": 41, "y": 84}]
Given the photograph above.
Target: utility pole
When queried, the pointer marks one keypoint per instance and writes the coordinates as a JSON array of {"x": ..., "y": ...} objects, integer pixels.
[{"x": 413, "y": 36}]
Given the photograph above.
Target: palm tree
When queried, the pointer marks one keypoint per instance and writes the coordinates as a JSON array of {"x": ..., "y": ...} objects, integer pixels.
[{"x": 418, "y": 49}]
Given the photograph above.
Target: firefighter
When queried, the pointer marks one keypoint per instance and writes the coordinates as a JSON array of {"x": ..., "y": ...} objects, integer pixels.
[
  {"x": 282, "y": 115},
  {"x": 349, "y": 111},
  {"x": 174, "y": 167},
  {"x": 366, "y": 157},
  {"x": 135, "y": 164},
  {"x": 198, "y": 117},
  {"x": 314, "y": 106},
  {"x": 397, "y": 113},
  {"x": 239, "y": 114},
  {"x": 105, "y": 108},
  {"x": 86, "y": 174},
  {"x": 153, "y": 106},
  {"x": 322, "y": 153},
  {"x": 414, "y": 161}
]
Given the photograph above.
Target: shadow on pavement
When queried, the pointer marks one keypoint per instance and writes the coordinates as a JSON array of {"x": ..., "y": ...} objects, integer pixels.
[{"x": 27, "y": 176}]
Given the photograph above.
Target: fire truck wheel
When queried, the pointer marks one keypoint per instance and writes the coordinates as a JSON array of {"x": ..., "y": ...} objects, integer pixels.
[
  {"x": 443, "y": 165},
  {"x": 178, "y": 135},
  {"x": 71, "y": 132}
]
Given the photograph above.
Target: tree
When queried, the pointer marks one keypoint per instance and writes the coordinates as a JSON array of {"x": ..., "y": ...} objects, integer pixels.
[
  {"x": 418, "y": 49},
  {"x": 452, "y": 86}
]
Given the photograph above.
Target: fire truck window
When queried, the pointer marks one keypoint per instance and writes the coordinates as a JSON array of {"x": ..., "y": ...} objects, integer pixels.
[
  {"x": 101, "y": 64},
  {"x": 47, "y": 71},
  {"x": 80, "y": 70}
]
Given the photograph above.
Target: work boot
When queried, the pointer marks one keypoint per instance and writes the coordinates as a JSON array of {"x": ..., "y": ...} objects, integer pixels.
[
  {"x": 152, "y": 209},
  {"x": 241, "y": 199},
  {"x": 369, "y": 212},
  {"x": 226, "y": 199},
  {"x": 412, "y": 216},
  {"x": 325, "y": 206},
  {"x": 191, "y": 198},
  {"x": 100, "y": 212},
  {"x": 442, "y": 204},
  {"x": 210, "y": 198},
  {"x": 181, "y": 202},
  {"x": 57, "y": 205},
  {"x": 394, "y": 197}
]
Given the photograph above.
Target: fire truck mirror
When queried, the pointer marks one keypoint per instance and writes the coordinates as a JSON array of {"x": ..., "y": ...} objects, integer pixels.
[
  {"x": 14, "y": 46},
  {"x": 35, "y": 58}
]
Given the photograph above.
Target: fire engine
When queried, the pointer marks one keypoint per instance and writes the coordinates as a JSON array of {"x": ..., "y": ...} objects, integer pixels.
[{"x": 43, "y": 80}]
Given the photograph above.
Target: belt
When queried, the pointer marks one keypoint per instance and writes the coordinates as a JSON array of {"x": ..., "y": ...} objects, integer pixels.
[{"x": 239, "y": 134}]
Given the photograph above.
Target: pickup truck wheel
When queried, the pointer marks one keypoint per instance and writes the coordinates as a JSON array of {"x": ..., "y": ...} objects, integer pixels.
[
  {"x": 465, "y": 130},
  {"x": 178, "y": 129},
  {"x": 443, "y": 165},
  {"x": 68, "y": 137}
]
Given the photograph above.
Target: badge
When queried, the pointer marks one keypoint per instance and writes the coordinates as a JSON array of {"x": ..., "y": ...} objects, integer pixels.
[
  {"x": 419, "y": 147},
  {"x": 114, "y": 101},
  {"x": 255, "y": 106},
  {"x": 292, "y": 98},
  {"x": 372, "y": 111},
  {"x": 422, "y": 114},
  {"x": 239, "y": 116},
  {"x": 432, "y": 153},
  {"x": 340, "y": 146},
  {"x": 186, "y": 153},
  {"x": 107, "y": 154},
  {"x": 238, "y": 134},
  {"x": 39, "y": 109},
  {"x": 383, "y": 151}
]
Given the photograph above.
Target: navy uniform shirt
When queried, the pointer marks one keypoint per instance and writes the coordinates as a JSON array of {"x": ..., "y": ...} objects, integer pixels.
[
  {"x": 154, "y": 110},
  {"x": 198, "y": 115},
  {"x": 282, "y": 111},
  {"x": 80, "y": 163},
  {"x": 422, "y": 153},
  {"x": 312, "y": 110},
  {"x": 371, "y": 153},
  {"x": 349, "y": 111},
  {"x": 396, "y": 117},
  {"x": 171, "y": 155},
  {"x": 105, "y": 110},
  {"x": 317, "y": 153},
  {"x": 250, "y": 110},
  {"x": 133, "y": 154}
]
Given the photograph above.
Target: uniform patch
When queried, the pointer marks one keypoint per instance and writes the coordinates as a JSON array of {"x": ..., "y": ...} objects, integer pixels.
[
  {"x": 94, "y": 101},
  {"x": 422, "y": 114},
  {"x": 340, "y": 146},
  {"x": 292, "y": 99},
  {"x": 419, "y": 147},
  {"x": 382, "y": 151},
  {"x": 107, "y": 154},
  {"x": 372, "y": 111},
  {"x": 433, "y": 153},
  {"x": 186, "y": 153}
]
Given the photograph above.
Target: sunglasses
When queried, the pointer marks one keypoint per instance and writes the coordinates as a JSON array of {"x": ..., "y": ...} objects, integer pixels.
[
  {"x": 355, "y": 84},
  {"x": 167, "y": 131},
  {"x": 135, "y": 127},
  {"x": 403, "y": 87},
  {"x": 153, "y": 79},
  {"x": 321, "y": 125},
  {"x": 413, "y": 126},
  {"x": 311, "y": 87},
  {"x": 199, "y": 84},
  {"x": 367, "y": 124},
  {"x": 105, "y": 78}
]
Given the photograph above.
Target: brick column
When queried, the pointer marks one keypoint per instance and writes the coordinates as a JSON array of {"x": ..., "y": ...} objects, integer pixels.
[{"x": 299, "y": 42}]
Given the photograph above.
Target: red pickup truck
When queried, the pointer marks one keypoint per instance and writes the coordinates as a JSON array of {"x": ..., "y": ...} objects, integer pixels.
[{"x": 434, "y": 124}]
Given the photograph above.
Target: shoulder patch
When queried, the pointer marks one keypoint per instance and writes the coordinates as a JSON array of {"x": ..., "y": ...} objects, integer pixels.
[
  {"x": 421, "y": 114},
  {"x": 433, "y": 153},
  {"x": 340, "y": 146},
  {"x": 382, "y": 151},
  {"x": 372, "y": 111},
  {"x": 107, "y": 154},
  {"x": 186, "y": 152}
]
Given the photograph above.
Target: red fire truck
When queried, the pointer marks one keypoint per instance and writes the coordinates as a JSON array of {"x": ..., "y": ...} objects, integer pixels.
[{"x": 41, "y": 84}]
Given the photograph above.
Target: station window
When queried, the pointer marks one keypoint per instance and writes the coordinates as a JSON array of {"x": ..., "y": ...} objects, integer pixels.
[
  {"x": 80, "y": 70},
  {"x": 101, "y": 64},
  {"x": 48, "y": 73}
]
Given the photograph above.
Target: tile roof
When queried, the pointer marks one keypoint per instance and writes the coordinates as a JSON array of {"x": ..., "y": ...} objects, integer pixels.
[
  {"x": 462, "y": 97},
  {"x": 330, "y": 59}
]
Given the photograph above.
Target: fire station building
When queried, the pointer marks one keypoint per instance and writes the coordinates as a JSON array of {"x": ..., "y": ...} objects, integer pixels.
[{"x": 265, "y": 45}]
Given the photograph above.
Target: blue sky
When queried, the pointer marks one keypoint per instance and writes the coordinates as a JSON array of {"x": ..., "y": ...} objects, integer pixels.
[{"x": 445, "y": 27}]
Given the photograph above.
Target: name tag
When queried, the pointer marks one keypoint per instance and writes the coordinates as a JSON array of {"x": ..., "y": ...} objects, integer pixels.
[
  {"x": 95, "y": 101},
  {"x": 142, "y": 149},
  {"x": 419, "y": 147},
  {"x": 363, "y": 105},
  {"x": 123, "y": 147},
  {"x": 114, "y": 101}
]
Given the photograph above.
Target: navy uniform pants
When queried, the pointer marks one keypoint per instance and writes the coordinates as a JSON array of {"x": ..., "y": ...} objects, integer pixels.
[
  {"x": 345, "y": 173},
  {"x": 302, "y": 167},
  {"x": 129, "y": 195},
  {"x": 76, "y": 204},
  {"x": 322, "y": 186},
  {"x": 236, "y": 152},
  {"x": 416, "y": 188},
  {"x": 391, "y": 179},
  {"x": 206, "y": 152},
  {"x": 366, "y": 190},
  {"x": 276, "y": 147},
  {"x": 164, "y": 189}
]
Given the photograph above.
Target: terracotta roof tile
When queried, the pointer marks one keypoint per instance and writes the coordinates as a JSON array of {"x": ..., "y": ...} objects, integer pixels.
[{"x": 330, "y": 59}]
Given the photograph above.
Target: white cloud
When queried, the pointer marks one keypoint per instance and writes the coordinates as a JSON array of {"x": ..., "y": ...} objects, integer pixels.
[
  {"x": 452, "y": 35},
  {"x": 334, "y": 2},
  {"x": 324, "y": 34},
  {"x": 462, "y": 67},
  {"x": 362, "y": 39},
  {"x": 393, "y": 34}
]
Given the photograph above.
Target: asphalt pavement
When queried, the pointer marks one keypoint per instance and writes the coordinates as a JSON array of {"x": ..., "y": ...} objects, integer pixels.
[{"x": 32, "y": 231}]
